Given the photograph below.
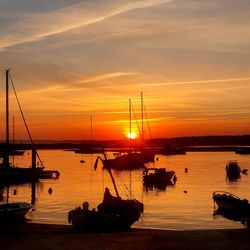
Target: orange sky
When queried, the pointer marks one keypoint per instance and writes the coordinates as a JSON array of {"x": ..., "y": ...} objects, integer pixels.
[{"x": 70, "y": 60}]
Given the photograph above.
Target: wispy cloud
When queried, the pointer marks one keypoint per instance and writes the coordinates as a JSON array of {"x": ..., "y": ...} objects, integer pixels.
[
  {"x": 40, "y": 26},
  {"x": 201, "y": 81},
  {"x": 106, "y": 76}
]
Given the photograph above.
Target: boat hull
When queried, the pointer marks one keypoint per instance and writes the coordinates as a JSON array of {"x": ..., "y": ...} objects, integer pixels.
[
  {"x": 114, "y": 214},
  {"x": 126, "y": 161},
  {"x": 231, "y": 204},
  {"x": 93, "y": 221},
  {"x": 158, "y": 178},
  {"x": 17, "y": 174},
  {"x": 12, "y": 174},
  {"x": 13, "y": 211}
]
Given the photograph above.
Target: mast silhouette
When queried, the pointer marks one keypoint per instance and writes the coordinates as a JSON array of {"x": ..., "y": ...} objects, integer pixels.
[
  {"x": 130, "y": 126},
  {"x": 13, "y": 140},
  {"x": 7, "y": 160},
  {"x": 91, "y": 130},
  {"x": 142, "y": 128}
]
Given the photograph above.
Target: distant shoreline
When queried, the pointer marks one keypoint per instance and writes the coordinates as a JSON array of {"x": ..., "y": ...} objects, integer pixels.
[
  {"x": 73, "y": 147},
  {"x": 190, "y": 144}
]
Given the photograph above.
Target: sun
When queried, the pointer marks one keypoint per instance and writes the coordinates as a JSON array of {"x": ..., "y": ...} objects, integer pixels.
[{"x": 131, "y": 135}]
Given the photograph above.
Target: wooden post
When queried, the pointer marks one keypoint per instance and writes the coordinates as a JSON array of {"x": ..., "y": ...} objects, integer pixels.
[
  {"x": 33, "y": 192},
  {"x": 33, "y": 158}
]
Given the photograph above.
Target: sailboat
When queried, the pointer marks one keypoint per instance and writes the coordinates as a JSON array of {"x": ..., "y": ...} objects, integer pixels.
[
  {"x": 134, "y": 159},
  {"x": 113, "y": 214},
  {"x": 147, "y": 154},
  {"x": 13, "y": 174}
]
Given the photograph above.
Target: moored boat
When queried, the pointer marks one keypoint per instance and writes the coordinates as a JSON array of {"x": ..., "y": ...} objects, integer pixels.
[
  {"x": 113, "y": 214},
  {"x": 12, "y": 152},
  {"x": 20, "y": 174},
  {"x": 13, "y": 211},
  {"x": 232, "y": 204},
  {"x": 233, "y": 169},
  {"x": 131, "y": 160},
  {"x": 94, "y": 221},
  {"x": 243, "y": 150},
  {"x": 10, "y": 173},
  {"x": 158, "y": 176}
]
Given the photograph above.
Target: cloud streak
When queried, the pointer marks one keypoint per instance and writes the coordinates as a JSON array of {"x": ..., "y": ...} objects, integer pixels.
[
  {"x": 106, "y": 76},
  {"x": 201, "y": 81},
  {"x": 40, "y": 26}
]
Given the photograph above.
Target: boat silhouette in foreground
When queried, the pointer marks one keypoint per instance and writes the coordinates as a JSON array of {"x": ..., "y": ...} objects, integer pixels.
[
  {"x": 113, "y": 214},
  {"x": 15, "y": 211}
]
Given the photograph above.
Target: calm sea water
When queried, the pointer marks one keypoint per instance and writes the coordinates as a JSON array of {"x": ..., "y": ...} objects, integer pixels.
[{"x": 170, "y": 208}]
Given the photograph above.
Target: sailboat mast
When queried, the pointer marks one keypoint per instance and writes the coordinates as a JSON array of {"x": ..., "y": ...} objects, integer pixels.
[
  {"x": 142, "y": 128},
  {"x": 130, "y": 141},
  {"x": 7, "y": 117},
  {"x": 91, "y": 129},
  {"x": 113, "y": 181},
  {"x": 13, "y": 139},
  {"x": 130, "y": 125},
  {"x": 111, "y": 175},
  {"x": 13, "y": 130}
]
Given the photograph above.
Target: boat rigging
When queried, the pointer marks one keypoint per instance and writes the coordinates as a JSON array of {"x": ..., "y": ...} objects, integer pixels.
[
  {"x": 10, "y": 173},
  {"x": 113, "y": 214}
]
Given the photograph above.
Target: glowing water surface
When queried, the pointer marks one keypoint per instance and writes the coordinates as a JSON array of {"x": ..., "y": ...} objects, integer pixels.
[{"x": 169, "y": 208}]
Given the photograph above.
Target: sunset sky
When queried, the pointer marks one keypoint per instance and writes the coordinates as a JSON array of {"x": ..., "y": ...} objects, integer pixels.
[{"x": 70, "y": 59}]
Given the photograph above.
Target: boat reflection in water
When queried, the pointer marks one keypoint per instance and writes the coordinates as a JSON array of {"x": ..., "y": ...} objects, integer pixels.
[
  {"x": 233, "y": 217},
  {"x": 159, "y": 187}
]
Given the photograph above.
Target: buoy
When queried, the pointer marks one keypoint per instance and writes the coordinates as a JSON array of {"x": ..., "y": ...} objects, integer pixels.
[
  {"x": 50, "y": 190},
  {"x": 244, "y": 171},
  {"x": 186, "y": 170},
  {"x": 14, "y": 192},
  {"x": 185, "y": 191}
]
